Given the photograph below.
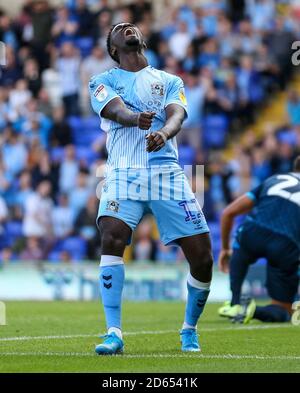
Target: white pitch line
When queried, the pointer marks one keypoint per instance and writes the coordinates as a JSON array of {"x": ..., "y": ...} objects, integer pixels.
[
  {"x": 143, "y": 332},
  {"x": 155, "y": 356}
]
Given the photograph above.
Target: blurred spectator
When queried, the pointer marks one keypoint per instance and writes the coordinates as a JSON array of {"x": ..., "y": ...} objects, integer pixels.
[
  {"x": 195, "y": 90},
  {"x": 166, "y": 254},
  {"x": 34, "y": 124},
  {"x": 33, "y": 250},
  {"x": 84, "y": 18},
  {"x": 41, "y": 18},
  {"x": 14, "y": 153},
  {"x": 102, "y": 26},
  {"x": 282, "y": 161},
  {"x": 261, "y": 13},
  {"x": 260, "y": 168},
  {"x": 7, "y": 33},
  {"x": 99, "y": 61},
  {"x": 11, "y": 72},
  {"x": 5, "y": 179},
  {"x": 3, "y": 216},
  {"x": 80, "y": 193},
  {"x": 38, "y": 207},
  {"x": 293, "y": 108},
  {"x": 140, "y": 10},
  {"x": 60, "y": 132},
  {"x": 45, "y": 170},
  {"x": 6, "y": 255},
  {"x": 69, "y": 169},
  {"x": 68, "y": 67},
  {"x": 180, "y": 41},
  {"x": 24, "y": 190},
  {"x": 65, "y": 26},
  {"x": 279, "y": 42},
  {"x": 62, "y": 218},
  {"x": 32, "y": 76},
  {"x": 85, "y": 227},
  {"x": 144, "y": 245}
]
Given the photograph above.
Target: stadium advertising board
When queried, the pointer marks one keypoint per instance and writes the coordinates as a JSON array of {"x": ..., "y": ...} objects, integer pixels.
[{"x": 143, "y": 282}]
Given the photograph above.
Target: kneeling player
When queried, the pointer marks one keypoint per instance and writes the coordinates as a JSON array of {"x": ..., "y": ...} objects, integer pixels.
[{"x": 271, "y": 230}]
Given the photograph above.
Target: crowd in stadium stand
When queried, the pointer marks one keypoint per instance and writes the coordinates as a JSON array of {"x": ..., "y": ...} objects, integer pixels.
[{"x": 232, "y": 55}]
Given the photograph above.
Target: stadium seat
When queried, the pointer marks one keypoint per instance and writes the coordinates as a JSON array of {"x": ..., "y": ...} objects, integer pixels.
[
  {"x": 85, "y": 130},
  {"x": 214, "y": 130},
  {"x": 86, "y": 154},
  {"x": 91, "y": 122},
  {"x": 54, "y": 256},
  {"x": 57, "y": 154},
  {"x": 14, "y": 229},
  {"x": 75, "y": 246},
  {"x": 85, "y": 45}
]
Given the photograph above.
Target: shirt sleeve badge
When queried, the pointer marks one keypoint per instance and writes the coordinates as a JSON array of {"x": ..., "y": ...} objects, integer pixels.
[
  {"x": 101, "y": 93},
  {"x": 182, "y": 97}
]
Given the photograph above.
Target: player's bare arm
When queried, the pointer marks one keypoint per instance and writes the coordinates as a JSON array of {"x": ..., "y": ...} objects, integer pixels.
[
  {"x": 241, "y": 205},
  {"x": 175, "y": 116},
  {"x": 117, "y": 111}
]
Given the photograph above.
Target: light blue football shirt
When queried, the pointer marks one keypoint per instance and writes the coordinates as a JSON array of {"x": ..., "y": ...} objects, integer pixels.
[{"x": 146, "y": 90}]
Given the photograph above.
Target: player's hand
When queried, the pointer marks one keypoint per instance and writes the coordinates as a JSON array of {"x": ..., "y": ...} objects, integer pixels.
[
  {"x": 223, "y": 261},
  {"x": 155, "y": 141},
  {"x": 144, "y": 120}
]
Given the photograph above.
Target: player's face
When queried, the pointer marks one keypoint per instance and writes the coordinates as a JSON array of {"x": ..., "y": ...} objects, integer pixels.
[{"x": 126, "y": 36}]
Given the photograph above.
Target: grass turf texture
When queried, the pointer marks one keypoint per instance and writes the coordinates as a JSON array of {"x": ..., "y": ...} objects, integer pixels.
[{"x": 225, "y": 347}]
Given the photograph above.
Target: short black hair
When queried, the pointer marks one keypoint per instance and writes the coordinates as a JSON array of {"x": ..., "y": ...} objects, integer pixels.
[
  {"x": 296, "y": 166},
  {"x": 114, "y": 56}
]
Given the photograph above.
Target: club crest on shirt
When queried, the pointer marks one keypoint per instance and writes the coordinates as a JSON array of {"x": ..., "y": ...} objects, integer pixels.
[
  {"x": 113, "y": 206},
  {"x": 100, "y": 93},
  {"x": 157, "y": 89}
]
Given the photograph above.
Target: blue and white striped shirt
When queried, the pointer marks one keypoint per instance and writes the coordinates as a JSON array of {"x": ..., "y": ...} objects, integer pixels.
[{"x": 146, "y": 90}]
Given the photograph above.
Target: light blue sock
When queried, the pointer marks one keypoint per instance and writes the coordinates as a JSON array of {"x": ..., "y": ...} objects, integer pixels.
[
  {"x": 197, "y": 295},
  {"x": 111, "y": 287}
]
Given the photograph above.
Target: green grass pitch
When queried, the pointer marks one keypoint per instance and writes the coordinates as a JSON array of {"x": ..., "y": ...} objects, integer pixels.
[{"x": 60, "y": 337}]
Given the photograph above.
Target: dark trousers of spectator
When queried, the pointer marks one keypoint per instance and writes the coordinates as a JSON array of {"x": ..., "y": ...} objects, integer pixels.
[
  {"x": 41, "y": 53},
  {"x": 71, "y": 104}
]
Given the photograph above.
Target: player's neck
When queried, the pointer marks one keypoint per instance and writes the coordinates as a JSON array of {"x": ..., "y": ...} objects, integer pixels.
[{"x": 133, "y": 62}]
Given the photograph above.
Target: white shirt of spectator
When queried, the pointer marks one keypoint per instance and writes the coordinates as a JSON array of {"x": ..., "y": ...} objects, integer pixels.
[
  {"x": 69, "y": 70},
  {"x": 37, "y": 217},
  {"x": 178, "y": 44},
  {"x": 51, "y": 83}
]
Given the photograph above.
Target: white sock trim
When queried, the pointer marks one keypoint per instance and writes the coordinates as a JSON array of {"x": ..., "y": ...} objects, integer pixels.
[
  {"x": 110, "y": 260},
  {"x": 187, "y": 326},
  {"x": 197, "y": 284},
  {"x": 115, "y": 330}
]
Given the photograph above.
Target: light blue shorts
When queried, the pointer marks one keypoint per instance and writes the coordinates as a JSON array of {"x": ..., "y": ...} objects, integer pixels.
[{"x": 129, "y": 196}]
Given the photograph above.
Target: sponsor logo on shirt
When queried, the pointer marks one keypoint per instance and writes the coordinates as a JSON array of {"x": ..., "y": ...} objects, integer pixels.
[
  {"x": 182, "y": 96},
  {"x": 101, "y": 93}
]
